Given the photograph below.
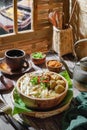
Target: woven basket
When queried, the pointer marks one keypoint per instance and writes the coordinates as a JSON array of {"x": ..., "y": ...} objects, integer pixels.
[{"x": 62, "y": 41}]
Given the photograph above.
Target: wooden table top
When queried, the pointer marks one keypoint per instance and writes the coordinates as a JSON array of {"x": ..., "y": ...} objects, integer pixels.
[{"x": 30, "y": 123}]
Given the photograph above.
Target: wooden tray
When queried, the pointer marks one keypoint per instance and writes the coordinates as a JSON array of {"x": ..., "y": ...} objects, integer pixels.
[{"x": 48, "y": 113}]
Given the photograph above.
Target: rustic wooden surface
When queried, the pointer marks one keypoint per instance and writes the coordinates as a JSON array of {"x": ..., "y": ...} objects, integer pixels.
[{"x": 50, "y": 123}]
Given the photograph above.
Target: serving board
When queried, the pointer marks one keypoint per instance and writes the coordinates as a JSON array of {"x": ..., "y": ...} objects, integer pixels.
[{"x": 48, "y": 113}]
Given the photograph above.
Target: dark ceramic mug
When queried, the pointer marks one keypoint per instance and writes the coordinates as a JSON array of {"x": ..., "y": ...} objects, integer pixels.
[{"x": 15, "y": 59}]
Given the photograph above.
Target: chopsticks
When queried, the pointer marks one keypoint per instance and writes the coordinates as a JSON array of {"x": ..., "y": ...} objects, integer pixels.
[
  {"x": 55, "y": 18},
  {"x": 18, "y": 125}
]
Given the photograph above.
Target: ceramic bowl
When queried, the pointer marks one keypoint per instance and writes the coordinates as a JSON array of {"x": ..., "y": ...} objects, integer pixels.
[
  {"x": 54, "y": 65},
  {"x": 38, "y": 58},
  {"x": 40, "y": 103}
]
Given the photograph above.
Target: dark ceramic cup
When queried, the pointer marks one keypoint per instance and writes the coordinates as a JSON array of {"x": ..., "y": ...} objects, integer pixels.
[{"x": 15, "y": 59}]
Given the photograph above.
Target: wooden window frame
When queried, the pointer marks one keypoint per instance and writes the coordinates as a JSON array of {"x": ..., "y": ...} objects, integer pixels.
[{"x": 28, "y": 40}]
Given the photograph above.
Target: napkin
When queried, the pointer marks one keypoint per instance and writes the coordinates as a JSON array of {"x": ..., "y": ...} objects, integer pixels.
[{"x": 76, "y": 116}]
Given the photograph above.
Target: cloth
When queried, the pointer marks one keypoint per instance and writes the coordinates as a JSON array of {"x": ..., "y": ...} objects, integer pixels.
[
  {"x": 79, "y": 19},
  {"x": 76, "y": 117}
]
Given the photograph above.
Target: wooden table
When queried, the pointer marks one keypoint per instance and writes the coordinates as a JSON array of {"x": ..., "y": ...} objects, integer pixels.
[{"x": 50, "y": 123}]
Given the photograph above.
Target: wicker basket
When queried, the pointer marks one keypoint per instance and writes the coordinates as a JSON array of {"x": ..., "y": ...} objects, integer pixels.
[{"x": 62, "y": 41}]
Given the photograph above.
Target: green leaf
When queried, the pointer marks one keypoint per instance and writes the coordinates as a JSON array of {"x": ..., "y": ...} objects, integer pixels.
[
  {"x": 19, "y": 105},
  {"x": 68, "y": 98},
  {"x": 66, "y": 76},
  {"x": 18, "y": 108},
  {"x": 34, "y": 80}
]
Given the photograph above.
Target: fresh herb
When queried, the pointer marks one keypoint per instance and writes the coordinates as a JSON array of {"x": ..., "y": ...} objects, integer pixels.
[
  {"x": 37, "y": 55},
  {"x": 40, "y": 80},
  {"x": 34, "y": 80},
  {"x": 45, "y": 84}
]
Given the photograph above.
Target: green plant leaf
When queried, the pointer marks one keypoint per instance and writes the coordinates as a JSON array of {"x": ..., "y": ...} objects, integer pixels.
[
  {"x": 66, "y": 76},
  {"x": 19, "y": 105}
]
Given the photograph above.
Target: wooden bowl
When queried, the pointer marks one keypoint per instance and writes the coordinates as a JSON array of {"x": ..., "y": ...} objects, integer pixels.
[
  {"x": 54, "y": 65},
  {"x": 38, "y": 60},
  {"x": 40, "y": 103}
]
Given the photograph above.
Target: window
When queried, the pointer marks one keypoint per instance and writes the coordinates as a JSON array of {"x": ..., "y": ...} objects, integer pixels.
[
  {"x": 37, "y": 36},
  {"x": 15, "y": 16}
]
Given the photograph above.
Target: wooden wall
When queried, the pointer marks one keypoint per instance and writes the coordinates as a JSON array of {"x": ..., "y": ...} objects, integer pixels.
[{"x": 41, "y": 38}]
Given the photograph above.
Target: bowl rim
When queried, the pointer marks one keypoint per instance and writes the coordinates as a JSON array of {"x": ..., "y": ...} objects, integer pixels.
[
  {"x": 52, "y": 66},
  {"x": 42, "y": 99}
]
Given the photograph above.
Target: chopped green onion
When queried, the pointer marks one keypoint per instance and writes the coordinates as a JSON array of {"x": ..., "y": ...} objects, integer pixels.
[{"x": 37, "y": 55}]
